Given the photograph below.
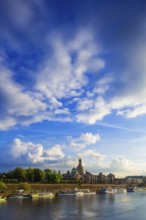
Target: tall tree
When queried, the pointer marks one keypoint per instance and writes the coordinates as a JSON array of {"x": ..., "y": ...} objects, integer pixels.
[
  {"x": 20, "y": 174},
  {"x": 39, "y": 175}
]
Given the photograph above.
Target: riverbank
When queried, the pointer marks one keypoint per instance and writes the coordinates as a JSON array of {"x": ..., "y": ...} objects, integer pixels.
[{"x": 36, "y": 187}]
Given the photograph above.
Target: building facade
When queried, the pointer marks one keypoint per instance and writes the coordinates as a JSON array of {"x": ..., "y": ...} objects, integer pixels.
[{"x": 78, "y": 174}]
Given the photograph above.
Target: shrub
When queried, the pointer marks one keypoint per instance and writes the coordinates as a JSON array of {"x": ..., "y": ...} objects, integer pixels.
[
  {"x": 25, "y": 186},
  {"x": 2, "y": 187}
]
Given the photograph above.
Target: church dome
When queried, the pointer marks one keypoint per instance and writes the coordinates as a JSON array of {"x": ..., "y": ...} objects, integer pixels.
[{"x": 74, "y": 171}]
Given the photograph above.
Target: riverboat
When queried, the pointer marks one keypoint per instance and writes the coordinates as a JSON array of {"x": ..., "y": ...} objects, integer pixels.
[
  {"x": 71, "y": 193},
  {"x": 105, "y": 190},
  {"x": 15, "y": 196},
  {"x": 88, "y": 192},
  {"x": 65, "y": 193},
  {"x": 20, "y": 196},
  {"x": 43, "y": 195},
  {"x": 120, "y": 190},
  {"x": 132, "y": 189},
  {"x": 79, "y": 193}
]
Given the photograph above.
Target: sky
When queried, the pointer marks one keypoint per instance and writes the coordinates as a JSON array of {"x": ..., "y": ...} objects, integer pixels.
[{"x": 73, "y": 85}]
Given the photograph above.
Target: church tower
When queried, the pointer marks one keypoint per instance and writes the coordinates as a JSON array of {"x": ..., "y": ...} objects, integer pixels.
[{"x": 80, "y": 168}]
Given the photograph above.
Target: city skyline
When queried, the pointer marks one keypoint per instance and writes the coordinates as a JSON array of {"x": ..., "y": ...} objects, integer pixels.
[{"x": 73, "y": 85}]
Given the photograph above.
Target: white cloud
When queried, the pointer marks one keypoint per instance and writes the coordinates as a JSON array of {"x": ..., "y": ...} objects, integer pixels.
[
  {"x": 94, "y": 154},
  {"x": 54, "y": 152},
  {"x": 103, "y": 85},
  {"x": 123, "y": 166},
  {"x": 97, "y": 113},
  {"x": 84, "y": 140},
  {"x": 96, "y": 162},
  {"x": 129, "y": 99},
  {"x": 93, "y": 160},
  {"x": 63, "y": 75},
  {"x": 62, "y": 82},
  {"x": 16, "y": 101},
  {"x": 25, "y": 154},
  {"x": 21, "y": 106},
  {"x": 7, "y": 123},
  {"x": 29, "y": 154},
  {"x": 129, "y": 106},
  {"x": 89, "y": 138},
  {"x": 85, "y": 104}
]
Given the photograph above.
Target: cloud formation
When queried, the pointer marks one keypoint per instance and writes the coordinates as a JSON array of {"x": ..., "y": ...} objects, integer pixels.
[
  {"x": 84, "y": 140},
  {"x": 29, "y": 154},
  {"x": 67, "y": 73},
  {"x": 26, "y": 154}
]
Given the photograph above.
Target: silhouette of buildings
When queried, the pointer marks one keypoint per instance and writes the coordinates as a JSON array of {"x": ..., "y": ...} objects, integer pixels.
[{"x": 78, "y": 173}]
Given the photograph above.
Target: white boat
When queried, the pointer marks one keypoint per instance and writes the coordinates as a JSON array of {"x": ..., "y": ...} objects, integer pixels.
[
  {"x": 71, "y": 193},
  {"x": 105, "y": 190},
  {"x": 43, "y": 195},
  {"x": 79, "y": 193},
  {"x": 120, "y": 189},
  {"x": 88, "y": 192}
]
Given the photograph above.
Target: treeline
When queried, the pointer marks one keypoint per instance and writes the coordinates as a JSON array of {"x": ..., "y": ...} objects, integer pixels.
[{"x": 31, "y": 175}]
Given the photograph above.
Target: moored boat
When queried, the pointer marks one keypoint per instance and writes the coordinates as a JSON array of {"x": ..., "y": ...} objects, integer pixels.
[
  {"x": 88, "y": 192},
  {"x": 20, "y": 196},
  {"x": 27, "y": 196},
  {"x": 71, "y": 193},
  {"x": 43, "y": 195},
  {"x": 132, "y": 189},
  {"x": 64, "y": 193},
  {"x": 120, "y": 190},
  {"x": 105, "y": 190},
  {"x": 79, "y": 193},
  {"x": 15, "y": 196}
]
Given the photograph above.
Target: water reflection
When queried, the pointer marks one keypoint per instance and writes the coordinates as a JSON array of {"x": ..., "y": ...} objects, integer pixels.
[
  {"x": 3, "y": 203},
  {"x": 109, "y": 206}
]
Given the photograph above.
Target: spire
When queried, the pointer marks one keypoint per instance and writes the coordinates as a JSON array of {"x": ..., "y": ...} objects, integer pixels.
[
  {"x": 80, "y": 168},
  {"x": 80, "y": 161}
]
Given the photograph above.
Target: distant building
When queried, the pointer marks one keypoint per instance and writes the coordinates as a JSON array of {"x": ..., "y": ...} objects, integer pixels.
[
  {"x": 80, "y": 168},
  {"x": 90, "y": 178},
  {"x": 74, "y": 171},
  {"x": 78, "y": 173},
  {"x": 110, "y": 178},
  {"x": 68, "y": 176},
  {"x": 134, "y": 179},
  {"x": 144, "y": 179},
  {"x": 119, "y": 180},
  {"x": 101, "y": 178}
]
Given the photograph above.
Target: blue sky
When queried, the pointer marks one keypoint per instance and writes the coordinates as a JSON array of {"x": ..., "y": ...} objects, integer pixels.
[{"x": 73, "y": 84}]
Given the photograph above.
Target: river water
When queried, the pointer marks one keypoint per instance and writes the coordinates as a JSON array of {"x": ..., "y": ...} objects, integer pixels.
[{"x": 122, "y": 206}]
